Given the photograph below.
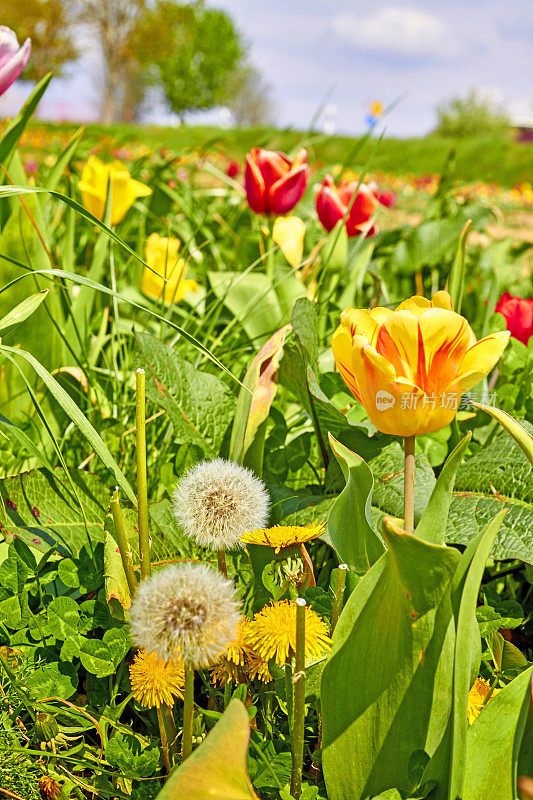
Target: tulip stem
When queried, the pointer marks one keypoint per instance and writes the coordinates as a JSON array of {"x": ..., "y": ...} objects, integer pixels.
[
  {"x": 409, "y": 485},
  {"x": 299, "y": 702},
  {"x": 142, "y": 488},
  {"x": 188, "y": 711}
]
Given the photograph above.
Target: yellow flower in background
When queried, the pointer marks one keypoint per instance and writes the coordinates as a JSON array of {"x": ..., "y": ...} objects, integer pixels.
[
  {"x": 477, "y": 697},
  {"x": 231, "y": 666},
  {"x": 409, "y": 367},
  {"x": 289, "y": 233},
  {"x": 376, "y": 108},
  {"x": 272, "y": 632},
  {"x": 95, "y": 178},
  {"x": 166, "y": 279},
  {"x": 155, "y": 682},
  {"x": 281, "y": 536}
]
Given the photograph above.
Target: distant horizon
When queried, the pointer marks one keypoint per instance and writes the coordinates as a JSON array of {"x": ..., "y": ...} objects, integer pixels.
[{"x": 344, "y": 57}]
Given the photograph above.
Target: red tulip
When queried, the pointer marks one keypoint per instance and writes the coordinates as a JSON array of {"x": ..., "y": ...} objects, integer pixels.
[
  {"x": 232, "y": 169},
  {"x": 387, "y": 199},
  {"x": 332, "y": 203},
  {"x": 518, "y": 314},
  {"x": 274, "y": 184}
]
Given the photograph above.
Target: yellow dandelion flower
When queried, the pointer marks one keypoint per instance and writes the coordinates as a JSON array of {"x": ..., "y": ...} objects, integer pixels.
[
  {"x": 257, "y": 667},
  {"x": 155, "y": 682},
  {"x": 281, "y": 536},
  {"x": 272, "y": 632},
  {"x": 231, "y": 665},
  {"x": 477, "y": 697}
]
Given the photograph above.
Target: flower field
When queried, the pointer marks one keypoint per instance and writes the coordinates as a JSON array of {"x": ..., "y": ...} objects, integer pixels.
[{"x": 266, "y": 474}]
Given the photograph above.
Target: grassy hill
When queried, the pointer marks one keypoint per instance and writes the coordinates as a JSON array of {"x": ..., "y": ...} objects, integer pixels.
[{"x": 484, "y": 158}]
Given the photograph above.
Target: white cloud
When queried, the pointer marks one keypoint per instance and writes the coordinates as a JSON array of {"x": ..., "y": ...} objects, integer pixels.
[{"x": 394, "y": 29}]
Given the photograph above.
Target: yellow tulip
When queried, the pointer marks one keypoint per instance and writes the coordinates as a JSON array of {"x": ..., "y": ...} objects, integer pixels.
[
  {"x": 95, "y": 178},
  {"x": 166, "y": 279},
  {"x": 409, "y": 367},
  {"x": 289, "y": 233}
]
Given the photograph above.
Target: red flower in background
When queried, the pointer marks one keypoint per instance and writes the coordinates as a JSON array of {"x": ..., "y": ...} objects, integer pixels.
[
  {"x": 332, "y": 203},
  {"x": 274, "y": 184},
  {"x": 387, "y": 199},
  {"x": 518, "y": 314},
  {"x": 233, "y": 169}
]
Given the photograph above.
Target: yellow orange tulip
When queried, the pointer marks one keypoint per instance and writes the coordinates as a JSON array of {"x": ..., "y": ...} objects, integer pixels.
[
  {"x": 409, "y": 367},
  {"x": 95, "y": 178},
  {"x": 166, "y": 279}
]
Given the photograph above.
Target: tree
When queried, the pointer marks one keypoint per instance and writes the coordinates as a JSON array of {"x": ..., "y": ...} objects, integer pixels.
[
  {"x": 191, "y": 51},
  {"x": 113, "y": 24},
  {"x": 249, "y": 97},
  {"x": 470, "y": 115},
  {"x": 49, "y": 25}
]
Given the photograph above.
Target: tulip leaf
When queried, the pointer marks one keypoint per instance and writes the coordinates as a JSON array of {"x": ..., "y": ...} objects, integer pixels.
[
  {"x": 16, "y": 127},
  {"x": 216, "y": 770},
  {"x": 513, "y": 428},
  {"x": 335, "y": 250},
  {"x": 395, "y": 641},
  {"x": 256, "y": 396},
  {"x": 432, "y": 526},
  {"x": 260, "y": 304},
  {"x": 499, "y": 743},
  {"x": 350, "y": 532},
  {"x": 456, "y": 281}
]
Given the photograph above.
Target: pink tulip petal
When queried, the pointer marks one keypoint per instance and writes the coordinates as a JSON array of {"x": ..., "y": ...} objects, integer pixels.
[{"x": 11, "y": 69}]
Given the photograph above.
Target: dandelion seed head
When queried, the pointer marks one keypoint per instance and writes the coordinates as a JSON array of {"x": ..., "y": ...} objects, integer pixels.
[
  {"x": 185, "y": 610},
  {"x": 217, "y": 501}
]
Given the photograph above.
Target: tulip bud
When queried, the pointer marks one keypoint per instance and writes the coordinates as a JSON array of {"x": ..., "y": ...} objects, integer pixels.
[
  {"x": 274, "y": 184},
  {"x": 333, "y": 202}
]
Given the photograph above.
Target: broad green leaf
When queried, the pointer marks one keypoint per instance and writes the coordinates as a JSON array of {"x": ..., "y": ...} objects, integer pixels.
[
  {"x": 495, "y": 741},
  {"x": 96, "y": 657},
  {"x": 40, "y": 508},
  {"x": 78, "y": 418},
  {"x": 199, "y": 405},
  {"x": 23, "y": 310},
  {"x": 63, "y": 618},
  {"x": 513, "y": 428},
  {"x": 335, "y": 250},
  {"x": 216, "y": 770},
  {"x": 256, "y": 301},
  {"x": 432, "y": 526},
  {"x": 350, "y": 532},
  {"x": 395, "y": 641},
  {"x": 53, "y": 679},
  {"x": 256, "y": 395},
  {"x": 132, "y": 755}
]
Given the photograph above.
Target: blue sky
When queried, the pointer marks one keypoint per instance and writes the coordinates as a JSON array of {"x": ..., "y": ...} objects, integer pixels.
[{"x": 353, "y": 52}]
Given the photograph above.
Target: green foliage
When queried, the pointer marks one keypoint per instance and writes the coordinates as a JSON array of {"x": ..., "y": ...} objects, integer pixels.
[
  {"x": 469, "y": 116},
  {"x": 193, "y": 51}
]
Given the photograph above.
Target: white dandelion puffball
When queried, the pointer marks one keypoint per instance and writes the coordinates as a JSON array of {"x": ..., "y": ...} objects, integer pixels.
[
  {"x": 187, "y": 609},
  {"x": 217, "y": 501}
]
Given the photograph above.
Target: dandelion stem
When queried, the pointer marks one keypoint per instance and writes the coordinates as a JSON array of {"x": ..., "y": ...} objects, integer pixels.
[
  {"x": 222, "y": 563},
  {"x": 409, "y": 485},
  {"x": 289, "y": 695},
  {"x": 338, "y": 602},
  {"x": 188, "y": 710},
  {"x": 142, "y": 489},
  {"x": 165, "y": 734},
  {"x": 122, "y": 541},
  {"x": 299, "y": 702}
]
